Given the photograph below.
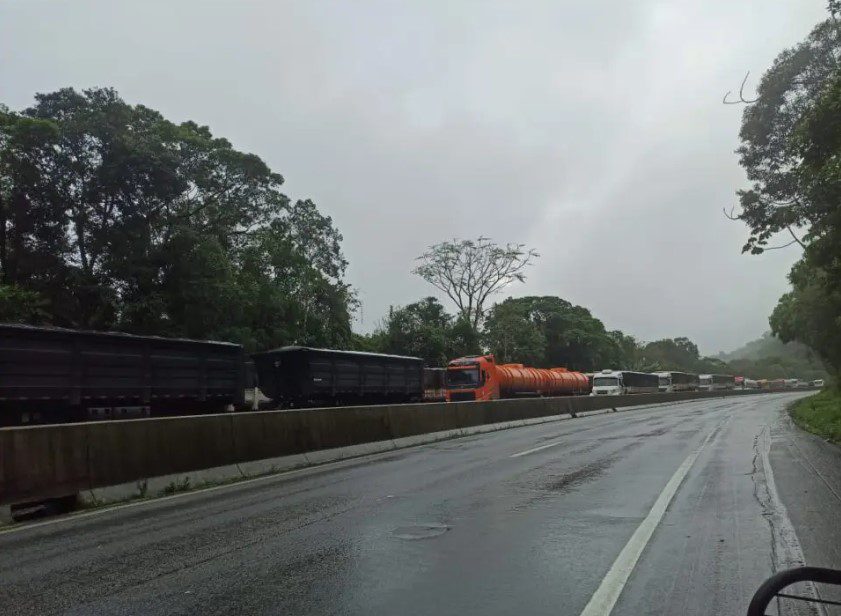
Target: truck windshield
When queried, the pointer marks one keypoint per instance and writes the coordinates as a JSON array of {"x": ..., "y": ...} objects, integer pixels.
[
  {"x": 665, "y": 381},
  {"x": 605, "y": 381},
  {"x": 462, "y": 377}
]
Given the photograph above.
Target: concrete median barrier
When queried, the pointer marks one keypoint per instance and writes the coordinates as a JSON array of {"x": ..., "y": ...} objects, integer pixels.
[
  {"x": 39, "y": 462},
  {"x": 42, "y": 463}
]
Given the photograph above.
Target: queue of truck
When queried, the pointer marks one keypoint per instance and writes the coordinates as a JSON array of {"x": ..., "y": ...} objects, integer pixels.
[{"x": 480, "y": 377}]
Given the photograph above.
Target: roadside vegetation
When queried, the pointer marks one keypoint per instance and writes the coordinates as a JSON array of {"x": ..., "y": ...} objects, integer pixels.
[{"x": 820, "y": 414}]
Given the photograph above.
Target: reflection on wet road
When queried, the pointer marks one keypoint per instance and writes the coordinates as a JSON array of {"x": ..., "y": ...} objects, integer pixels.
[{"x": 530, "y": 520}]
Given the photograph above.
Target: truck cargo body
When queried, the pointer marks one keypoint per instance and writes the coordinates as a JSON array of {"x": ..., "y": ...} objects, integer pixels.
[
  {"x": 53, "y": 375},
  {"x": 621, "y": 382},
  {"x": 714, "y": 382},
  {"x": 434, "y": 384},
  {"x": 301, "y": 376},
  {"x": 677, "y": 381}
]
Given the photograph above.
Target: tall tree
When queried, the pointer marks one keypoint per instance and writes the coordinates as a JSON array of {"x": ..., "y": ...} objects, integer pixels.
[
  {"x": 769, "y": 151},
  {"x": 791, "y": 141},
  {"x": 470, "y": 271}
]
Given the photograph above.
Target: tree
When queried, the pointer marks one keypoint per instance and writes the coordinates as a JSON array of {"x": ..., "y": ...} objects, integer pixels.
[
  {"x": 120, "y": 219},
  {"x": 809, "y": 313},
  {"x": 671, "y": 354},
  {"x": 769, "y": 152},
  {"x": 628, "y": 351},
  {"x": 791, "y": 141},
  {"x": 470, "y": 271},
  {"x": 512, "y": 336},
  {"x": 20, "y": 306},
  {"x": 421, "y": 329},
  {"x": 569, "y": 335}
]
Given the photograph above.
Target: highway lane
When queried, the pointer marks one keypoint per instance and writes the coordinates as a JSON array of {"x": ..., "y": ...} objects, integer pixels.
[{"x": 525, "y": 520}]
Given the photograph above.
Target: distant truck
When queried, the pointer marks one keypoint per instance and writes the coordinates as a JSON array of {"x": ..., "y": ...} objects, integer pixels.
[
  {"x": 742, "y": 382},
  {"x": 479, "y": 377},
  {"x": 677, "y": 381},
  {"x": 716, "y": 382},
  {"x": 620, "y": 382},
  {"x": 296, "y": 376},
  {"x": 817, "y": 383}
]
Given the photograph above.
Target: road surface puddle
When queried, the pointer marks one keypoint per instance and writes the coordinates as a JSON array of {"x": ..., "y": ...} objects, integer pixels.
[{"x": 421, "y": 531}]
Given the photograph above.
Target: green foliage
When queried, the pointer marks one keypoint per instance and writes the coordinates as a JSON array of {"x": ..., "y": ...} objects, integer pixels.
[
  {"x": 771, "y": 150},
  {"x": 120, "y": 219},
  {"x": 809, "y": 313},
  {"x": 680, "y": 354},
  {"x": 671, "y": 354},
  {"x": 512, "y": 336},
  {"x": 549, "y": 331},
  {"x": 422, "y": 329},
  {"x": 820, "y": 414},
  {"x": 20, "y": 305}
]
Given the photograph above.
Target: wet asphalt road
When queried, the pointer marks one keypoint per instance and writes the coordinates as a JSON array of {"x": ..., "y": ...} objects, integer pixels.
[{"x": 526, "y": 520}]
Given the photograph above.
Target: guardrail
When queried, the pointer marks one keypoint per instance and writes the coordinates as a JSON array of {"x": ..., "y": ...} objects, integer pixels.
[{"x": 41, "y": 462}]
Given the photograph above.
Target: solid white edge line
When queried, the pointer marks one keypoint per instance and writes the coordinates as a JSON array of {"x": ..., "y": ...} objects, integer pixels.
[{"x": 606, "y": 595}]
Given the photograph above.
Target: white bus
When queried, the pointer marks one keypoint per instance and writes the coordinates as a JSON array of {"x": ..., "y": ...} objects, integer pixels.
[{"x": 620, "y": 382}]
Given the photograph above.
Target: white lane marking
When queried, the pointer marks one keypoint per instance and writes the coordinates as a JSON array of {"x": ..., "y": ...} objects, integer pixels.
[
  {"x": 532, "y": 450},
  {"x": 606, "y": 595}
]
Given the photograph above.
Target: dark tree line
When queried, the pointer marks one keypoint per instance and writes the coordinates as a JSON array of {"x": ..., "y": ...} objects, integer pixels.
[
  {"x": 112, "y": 217},
  {"x": 541, "y": 331}
]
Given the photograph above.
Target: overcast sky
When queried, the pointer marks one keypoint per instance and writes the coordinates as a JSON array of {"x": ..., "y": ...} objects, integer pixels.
[{"x": 591, "y": 131}]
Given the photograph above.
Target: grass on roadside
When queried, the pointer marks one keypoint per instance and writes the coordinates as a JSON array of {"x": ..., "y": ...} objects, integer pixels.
[{"x": 820, "y": 414}]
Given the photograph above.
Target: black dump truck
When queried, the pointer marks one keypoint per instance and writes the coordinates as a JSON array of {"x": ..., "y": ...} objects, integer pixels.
[
  {"x": 300, "y": 376},
  {"x": 50, "y": 374}
]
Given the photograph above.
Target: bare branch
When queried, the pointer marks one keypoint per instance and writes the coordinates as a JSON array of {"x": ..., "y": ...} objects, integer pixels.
[
  {"x": 796, "y": 239},
  {"x": 742, "y": 100},
  {"x": 469, "y": 271},
  {"x": 779, "y": 247},
  {"x": 730, "y": 215}
]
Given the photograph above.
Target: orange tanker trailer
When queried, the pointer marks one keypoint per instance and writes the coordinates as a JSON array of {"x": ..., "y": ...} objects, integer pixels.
[{"x": 481, "y": 378}]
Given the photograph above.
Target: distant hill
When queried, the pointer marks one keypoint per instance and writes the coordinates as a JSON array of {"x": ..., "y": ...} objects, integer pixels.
[
  {"x": 768, "y": 346},
  {"x": 771, "y": 358}
]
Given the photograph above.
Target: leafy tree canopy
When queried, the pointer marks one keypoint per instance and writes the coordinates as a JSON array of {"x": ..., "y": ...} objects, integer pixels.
[{"x": 115, "y": 218}]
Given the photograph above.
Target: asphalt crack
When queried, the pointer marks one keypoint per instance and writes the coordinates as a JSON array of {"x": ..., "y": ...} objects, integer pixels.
[{"x": 785, "y": 550}]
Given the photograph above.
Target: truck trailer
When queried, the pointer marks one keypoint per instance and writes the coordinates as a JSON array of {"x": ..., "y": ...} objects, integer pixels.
[{"x": 479, "y": 377}]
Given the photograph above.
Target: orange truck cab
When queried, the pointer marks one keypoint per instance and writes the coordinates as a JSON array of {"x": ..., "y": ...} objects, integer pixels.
[
  {"x": 471, "y": 378},
  {"x": 479, "y": 377}
]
